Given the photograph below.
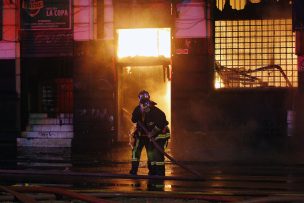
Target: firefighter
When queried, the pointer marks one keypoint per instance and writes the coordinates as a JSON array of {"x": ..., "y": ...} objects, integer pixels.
[{"x": 156, "y": 123}]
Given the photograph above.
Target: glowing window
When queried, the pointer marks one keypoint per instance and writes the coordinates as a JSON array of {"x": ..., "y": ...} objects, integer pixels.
[{"x": 255, "y": 53}]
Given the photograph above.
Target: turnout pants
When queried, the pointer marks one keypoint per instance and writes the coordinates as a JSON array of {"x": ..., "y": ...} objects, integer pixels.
[
  {"x": 158, "y": 158},
  {"x": 139, "y": 143}
]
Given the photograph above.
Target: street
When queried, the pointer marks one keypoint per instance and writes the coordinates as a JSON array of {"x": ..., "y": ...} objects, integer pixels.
[{"x": 107, "y": 178}]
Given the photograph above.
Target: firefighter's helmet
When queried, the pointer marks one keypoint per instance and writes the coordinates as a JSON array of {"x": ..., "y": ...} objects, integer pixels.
[{"x": 143, "y": 95}]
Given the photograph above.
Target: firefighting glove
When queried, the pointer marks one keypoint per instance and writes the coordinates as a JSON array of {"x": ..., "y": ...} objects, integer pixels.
[{"x": 154, "y": 132}]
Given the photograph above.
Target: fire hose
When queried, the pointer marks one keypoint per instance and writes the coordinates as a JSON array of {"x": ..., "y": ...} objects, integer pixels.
[{"x": 160, "y": 149}]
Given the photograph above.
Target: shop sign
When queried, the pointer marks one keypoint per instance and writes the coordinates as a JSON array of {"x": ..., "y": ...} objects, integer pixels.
[{"x": 46, "y": 14}]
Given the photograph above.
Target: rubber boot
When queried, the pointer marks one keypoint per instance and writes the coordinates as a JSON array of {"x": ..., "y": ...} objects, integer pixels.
[
  {"x": 134, "y": 168},
  {"x": 160, "y": 170},
  {"x": 151, "y": 169},
  {"x": 156, "y": 185}
]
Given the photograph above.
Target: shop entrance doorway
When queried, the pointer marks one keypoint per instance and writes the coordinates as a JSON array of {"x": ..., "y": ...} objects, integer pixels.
[
  {"x": 47, "y": 89},
  {"x": 143, "y": 58}
]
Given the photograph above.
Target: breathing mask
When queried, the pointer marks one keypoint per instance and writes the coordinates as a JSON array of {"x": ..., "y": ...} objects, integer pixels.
[{"x": 145, "y": 105}]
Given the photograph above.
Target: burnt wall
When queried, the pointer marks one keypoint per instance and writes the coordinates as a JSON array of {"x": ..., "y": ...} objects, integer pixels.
[
  {"x": 94, "y": 97},
  {"x": 9, "y": 108},
  {"x": 267, "y": 108},
  {"x": 298, "y": 138},
  {"x": 191, "y": 81},
  {"x": 233, "y": 125}
]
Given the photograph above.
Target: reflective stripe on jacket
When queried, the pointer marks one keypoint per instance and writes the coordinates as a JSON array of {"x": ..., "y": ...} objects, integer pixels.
[{"x": 163, "y": 136}]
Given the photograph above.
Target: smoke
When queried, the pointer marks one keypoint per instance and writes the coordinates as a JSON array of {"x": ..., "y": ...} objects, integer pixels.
[{"x": 220, "y": 137}]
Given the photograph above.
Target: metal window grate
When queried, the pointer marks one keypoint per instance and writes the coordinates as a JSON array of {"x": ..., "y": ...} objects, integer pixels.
[{"x": 255, "y": 53}]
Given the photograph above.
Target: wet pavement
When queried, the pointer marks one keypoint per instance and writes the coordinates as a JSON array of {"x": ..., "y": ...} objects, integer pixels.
[{"x": 104, "y": 174}]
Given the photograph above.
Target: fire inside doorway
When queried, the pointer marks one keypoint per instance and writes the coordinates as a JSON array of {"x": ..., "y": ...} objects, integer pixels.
[{"x": 143, "y": 63}]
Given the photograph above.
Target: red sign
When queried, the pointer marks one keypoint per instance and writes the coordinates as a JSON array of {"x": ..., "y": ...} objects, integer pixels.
[{"x": 182, "y": 51}]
